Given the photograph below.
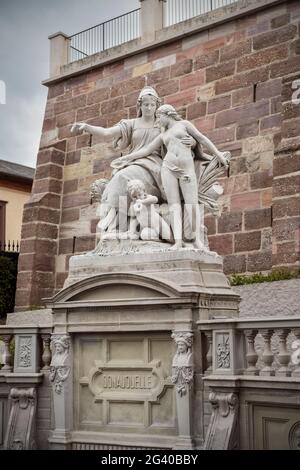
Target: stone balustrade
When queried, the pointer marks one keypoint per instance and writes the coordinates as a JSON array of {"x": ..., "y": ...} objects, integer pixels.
[
  {"x": 31, "y": 346},
  {"x": 252, "y": 347}
]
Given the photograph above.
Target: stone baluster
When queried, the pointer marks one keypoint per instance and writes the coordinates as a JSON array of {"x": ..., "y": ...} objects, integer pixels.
[
  {"x": 296, "y": 356},
  {"x": 46, "y": 356},
  {"x": 209, "y": 357},
  {"x": 7, "y": 356},
  {"x": 283, "y": 356},
  {"x": 267, "y": 357},
  {"x": 251, "y": 355}
]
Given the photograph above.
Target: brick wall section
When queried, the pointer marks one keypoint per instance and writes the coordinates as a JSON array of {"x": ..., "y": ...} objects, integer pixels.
[
  {"x": 229, "y": 81},
  {"x": 41, "y": 219},
  {"x": 286, "y": 183}
]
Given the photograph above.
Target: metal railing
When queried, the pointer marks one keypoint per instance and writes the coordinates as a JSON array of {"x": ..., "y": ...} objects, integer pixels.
[
  {"x": 181, "y": 10},
  {"x": 105, "y": 35}
]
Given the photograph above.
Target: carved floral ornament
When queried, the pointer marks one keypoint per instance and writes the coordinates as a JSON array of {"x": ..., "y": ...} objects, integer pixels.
[
  {"x": 25, "y": 352},
  {"x": 223, "y": 351},
  {"x": 182, "y": 365},
  {"x": 59, "y": 367}
]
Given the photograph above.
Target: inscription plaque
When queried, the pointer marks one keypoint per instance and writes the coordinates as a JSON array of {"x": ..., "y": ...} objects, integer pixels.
[{"x": 126, "y": 382}]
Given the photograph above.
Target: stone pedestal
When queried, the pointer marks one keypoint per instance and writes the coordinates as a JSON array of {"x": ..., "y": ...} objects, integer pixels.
[{"x": 125, "y": 315}]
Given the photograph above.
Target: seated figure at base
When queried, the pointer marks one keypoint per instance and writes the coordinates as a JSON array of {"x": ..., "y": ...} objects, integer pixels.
[
  {"x": 145, "y": 215},
  {"x": 178, "y": 170}
]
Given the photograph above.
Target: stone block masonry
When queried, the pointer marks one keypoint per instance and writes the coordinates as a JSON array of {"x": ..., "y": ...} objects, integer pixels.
[{"x": 234, "y": 81}]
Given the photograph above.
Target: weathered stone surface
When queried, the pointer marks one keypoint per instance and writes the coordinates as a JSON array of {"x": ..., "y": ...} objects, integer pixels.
[
  {"x": 247, "y": 241},
  {"x": 258, "y": 218},
  {"x": 234, "y": 264},
  {"x": 259, "y": 261},
  {"x": 230, "y": 222},
  {"x": 268, "y": 299}
]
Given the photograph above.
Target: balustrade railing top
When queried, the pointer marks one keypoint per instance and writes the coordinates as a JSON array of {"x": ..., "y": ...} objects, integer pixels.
[
  {"x": 127, "y": 27},
  {"x": 266, "y": 346},
  {"x": 176, "y": 11},
  {"x": 105, "y": 35},
  {"x": 9, "y": 246}
]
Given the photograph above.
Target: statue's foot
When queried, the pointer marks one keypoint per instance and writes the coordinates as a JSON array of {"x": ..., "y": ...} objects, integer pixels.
[
  {"x": 133, "y": 236},
  {"x": 200, "y": 245},
  {"x": 177, "y": 245}
]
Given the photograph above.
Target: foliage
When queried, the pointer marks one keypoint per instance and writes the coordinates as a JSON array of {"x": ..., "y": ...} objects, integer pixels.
[
  {"x": 239, "y": 280},
  {"x": 8, "y": 278}
]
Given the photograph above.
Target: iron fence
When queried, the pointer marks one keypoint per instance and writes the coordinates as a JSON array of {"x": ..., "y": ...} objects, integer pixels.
[
  {"x": 109, "y": 34},
  {"x": 180, "y": 10}
]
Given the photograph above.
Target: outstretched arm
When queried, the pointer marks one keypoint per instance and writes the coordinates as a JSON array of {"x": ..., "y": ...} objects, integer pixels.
[
  {"x": 106, "y": 134},
  {"x": 205, "y": 141}
]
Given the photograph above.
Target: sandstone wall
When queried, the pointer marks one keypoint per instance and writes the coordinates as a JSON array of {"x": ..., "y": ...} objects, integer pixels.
[{"x": 234, "y": 82}]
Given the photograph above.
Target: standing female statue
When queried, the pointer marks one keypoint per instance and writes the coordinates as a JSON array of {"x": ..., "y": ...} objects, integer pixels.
[{"x": 131, "y": 134}]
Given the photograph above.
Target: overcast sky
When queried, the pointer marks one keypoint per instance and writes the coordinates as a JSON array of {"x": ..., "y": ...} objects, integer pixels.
[{"x": 24, "y": 62}]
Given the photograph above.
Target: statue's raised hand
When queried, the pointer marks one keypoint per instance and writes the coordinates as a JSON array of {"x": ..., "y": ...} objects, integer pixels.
[
  {"x": 78, "y": 127},
  {"x": 224, "y": 158}
]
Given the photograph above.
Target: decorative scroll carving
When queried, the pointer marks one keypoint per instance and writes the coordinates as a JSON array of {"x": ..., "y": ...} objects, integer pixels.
[
  {"x": 182, "y": 365},
  {"x": 294, "y": 436},
  {"x": 223, "y": 351},
  {"x": 25, "y": 352},
  {"x": 59, "y": 367},
  {"x": 222, "y": 430},
  {"x": 21, "y": 425}
]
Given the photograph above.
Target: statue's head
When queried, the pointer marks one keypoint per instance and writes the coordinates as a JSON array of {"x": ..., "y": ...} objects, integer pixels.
[
  {"x": 61, "y": 344},
  {"x": 97, "y": 189},
  {"x": 166, "y": 112},
  {"x": 148, "y": 96},
  {"x": 135, "y": 188},
  {"x": 183, "y": 341}
]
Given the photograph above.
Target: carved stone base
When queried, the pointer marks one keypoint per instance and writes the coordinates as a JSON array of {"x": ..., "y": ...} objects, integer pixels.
[
  {"x": 189, "y": 269},
  {"x": 60, "y": 440},
  {"x": 184, "y": 443},
  {"x": 119, "y": 312}
]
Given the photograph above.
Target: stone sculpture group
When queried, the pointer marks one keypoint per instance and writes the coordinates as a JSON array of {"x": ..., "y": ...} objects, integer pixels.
[{"x": 161, "y": 185}]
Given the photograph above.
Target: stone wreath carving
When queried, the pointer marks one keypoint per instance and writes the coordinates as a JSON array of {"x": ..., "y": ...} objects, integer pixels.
[
  {"x": 182, "y": 365},
  {"x": 59, "y": 367}
]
